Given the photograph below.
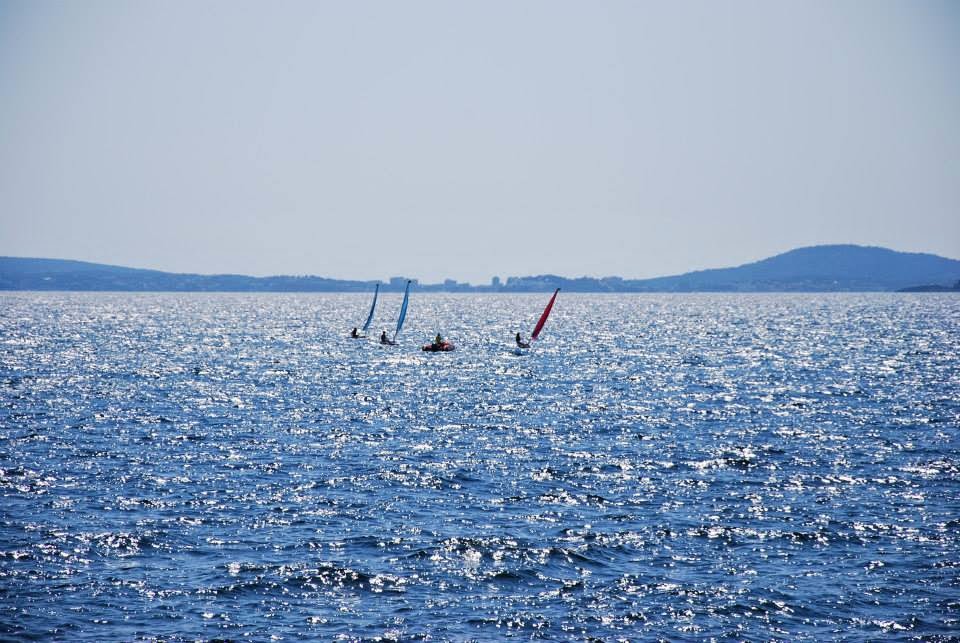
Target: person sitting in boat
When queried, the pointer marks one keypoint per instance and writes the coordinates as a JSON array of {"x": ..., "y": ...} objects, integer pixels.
[
  {"x": 354, "y": 334},
  {"x": 383, "y": 338},
  {"x": 521, "y": 343},
  {"x": 438, "y": 342}
]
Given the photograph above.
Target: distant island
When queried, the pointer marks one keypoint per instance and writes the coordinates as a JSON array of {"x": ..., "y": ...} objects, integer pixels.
[
  {"x": 933, "y": 288},
  {"x": 829, "y": 268}
]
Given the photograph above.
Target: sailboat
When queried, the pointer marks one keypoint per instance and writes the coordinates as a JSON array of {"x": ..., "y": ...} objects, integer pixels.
[
  {"x": 366, "y": 324},
  {"x": 400, "y": 319},
  {"x": 539, "y": 327}
]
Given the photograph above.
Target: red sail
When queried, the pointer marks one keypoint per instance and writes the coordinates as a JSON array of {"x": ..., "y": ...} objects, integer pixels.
[{"x": 543, "y": 317}]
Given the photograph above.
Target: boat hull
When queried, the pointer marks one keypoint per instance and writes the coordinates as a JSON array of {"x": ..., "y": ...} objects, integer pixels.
[{"x": 443, "y": 347}]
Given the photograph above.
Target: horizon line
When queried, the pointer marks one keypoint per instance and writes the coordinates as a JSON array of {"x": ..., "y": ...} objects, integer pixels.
[{"x": 493, "y": 281}]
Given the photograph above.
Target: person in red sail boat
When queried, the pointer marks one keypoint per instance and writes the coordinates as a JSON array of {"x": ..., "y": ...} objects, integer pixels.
[{"x": 521, "y": 343}]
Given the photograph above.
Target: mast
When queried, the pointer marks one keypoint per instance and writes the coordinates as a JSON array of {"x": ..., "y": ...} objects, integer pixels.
[
  {"x": 403, "y": 309},
  {"x": 543, "y": 317},
  {"x": 373, "y": 306}
]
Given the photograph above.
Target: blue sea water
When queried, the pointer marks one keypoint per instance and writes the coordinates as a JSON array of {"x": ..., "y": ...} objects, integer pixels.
[{"x": 691, "y": 467}]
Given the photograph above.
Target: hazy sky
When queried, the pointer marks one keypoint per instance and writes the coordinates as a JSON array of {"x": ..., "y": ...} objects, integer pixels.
[{"x": 447, "y": 139}]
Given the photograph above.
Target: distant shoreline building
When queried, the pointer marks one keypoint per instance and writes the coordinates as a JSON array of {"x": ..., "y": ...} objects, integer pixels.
[{"x": 401, "y": 282}]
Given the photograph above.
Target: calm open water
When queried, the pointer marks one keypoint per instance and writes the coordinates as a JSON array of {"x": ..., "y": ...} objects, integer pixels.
[{"x": 679, "y": 467}]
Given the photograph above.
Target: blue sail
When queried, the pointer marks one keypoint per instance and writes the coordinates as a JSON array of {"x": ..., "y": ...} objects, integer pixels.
[
  {"x": 373, "y": 306},
  {"x": 403, "y": 309}
]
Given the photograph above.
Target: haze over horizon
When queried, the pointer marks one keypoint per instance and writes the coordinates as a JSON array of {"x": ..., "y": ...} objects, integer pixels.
[{"x": 443, "y": 141}]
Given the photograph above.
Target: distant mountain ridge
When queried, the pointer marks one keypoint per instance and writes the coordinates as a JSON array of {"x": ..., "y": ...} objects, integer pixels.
[
  {"x": 831, "y": 268},
  {"x": 64, "y": 274},
  {"x": 821, "y": 269}
]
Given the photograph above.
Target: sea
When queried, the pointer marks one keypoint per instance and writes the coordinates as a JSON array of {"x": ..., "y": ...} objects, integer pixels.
[{"x": 697, "y": 467}]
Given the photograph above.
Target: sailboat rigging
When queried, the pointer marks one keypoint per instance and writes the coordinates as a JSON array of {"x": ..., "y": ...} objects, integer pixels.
[
  {"x": 400, "y": 319},
  {"x": 373, "y": 306},
  {"x": 543, "y": 318},
  {"x": 539, "y": 327},
  {"x": 403, "y": 310},
  {"x": 366, "y": 325}
]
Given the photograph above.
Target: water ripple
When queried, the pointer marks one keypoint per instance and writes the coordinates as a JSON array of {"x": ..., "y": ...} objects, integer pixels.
[{"x": 189, "y": 467}]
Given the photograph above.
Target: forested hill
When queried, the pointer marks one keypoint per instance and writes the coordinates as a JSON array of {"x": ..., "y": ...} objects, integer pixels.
[
  {"x": 835, "y": 268},
  {"x": 821, "y": 268},
  {"x": 60, "y": 274}
]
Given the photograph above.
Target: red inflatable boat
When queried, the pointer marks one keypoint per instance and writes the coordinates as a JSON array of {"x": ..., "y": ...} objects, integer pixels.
[{"x": 438, "y": 348}]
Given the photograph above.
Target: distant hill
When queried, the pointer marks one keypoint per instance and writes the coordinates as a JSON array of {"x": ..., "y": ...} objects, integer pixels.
[
  {"x": 933, "y": 288},
  {"x": 820, "y": 269},
  {"x": 836, "y": 268},
  {"x": 60, "y": 274}
]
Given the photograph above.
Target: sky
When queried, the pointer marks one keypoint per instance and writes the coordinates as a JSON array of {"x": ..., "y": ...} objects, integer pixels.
[{"x": 436, "y": 140}]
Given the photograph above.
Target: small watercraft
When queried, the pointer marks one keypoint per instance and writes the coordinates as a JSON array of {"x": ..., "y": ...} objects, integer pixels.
[
  {"x": 442, "y": 347},
  {"x": 521, "y": 345},
  {"x": 403, "y": 316},
  {"x": 366, "y": 325},
  {"x": 434, "y": 347}
]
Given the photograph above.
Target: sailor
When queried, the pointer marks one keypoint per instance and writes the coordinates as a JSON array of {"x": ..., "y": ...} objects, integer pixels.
[
  {"x": 438, "y": 341},
  {"x": 521, "y": 343},
  {"x": 354, "y": 334},
  {"x": 383, "y": 338}
]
